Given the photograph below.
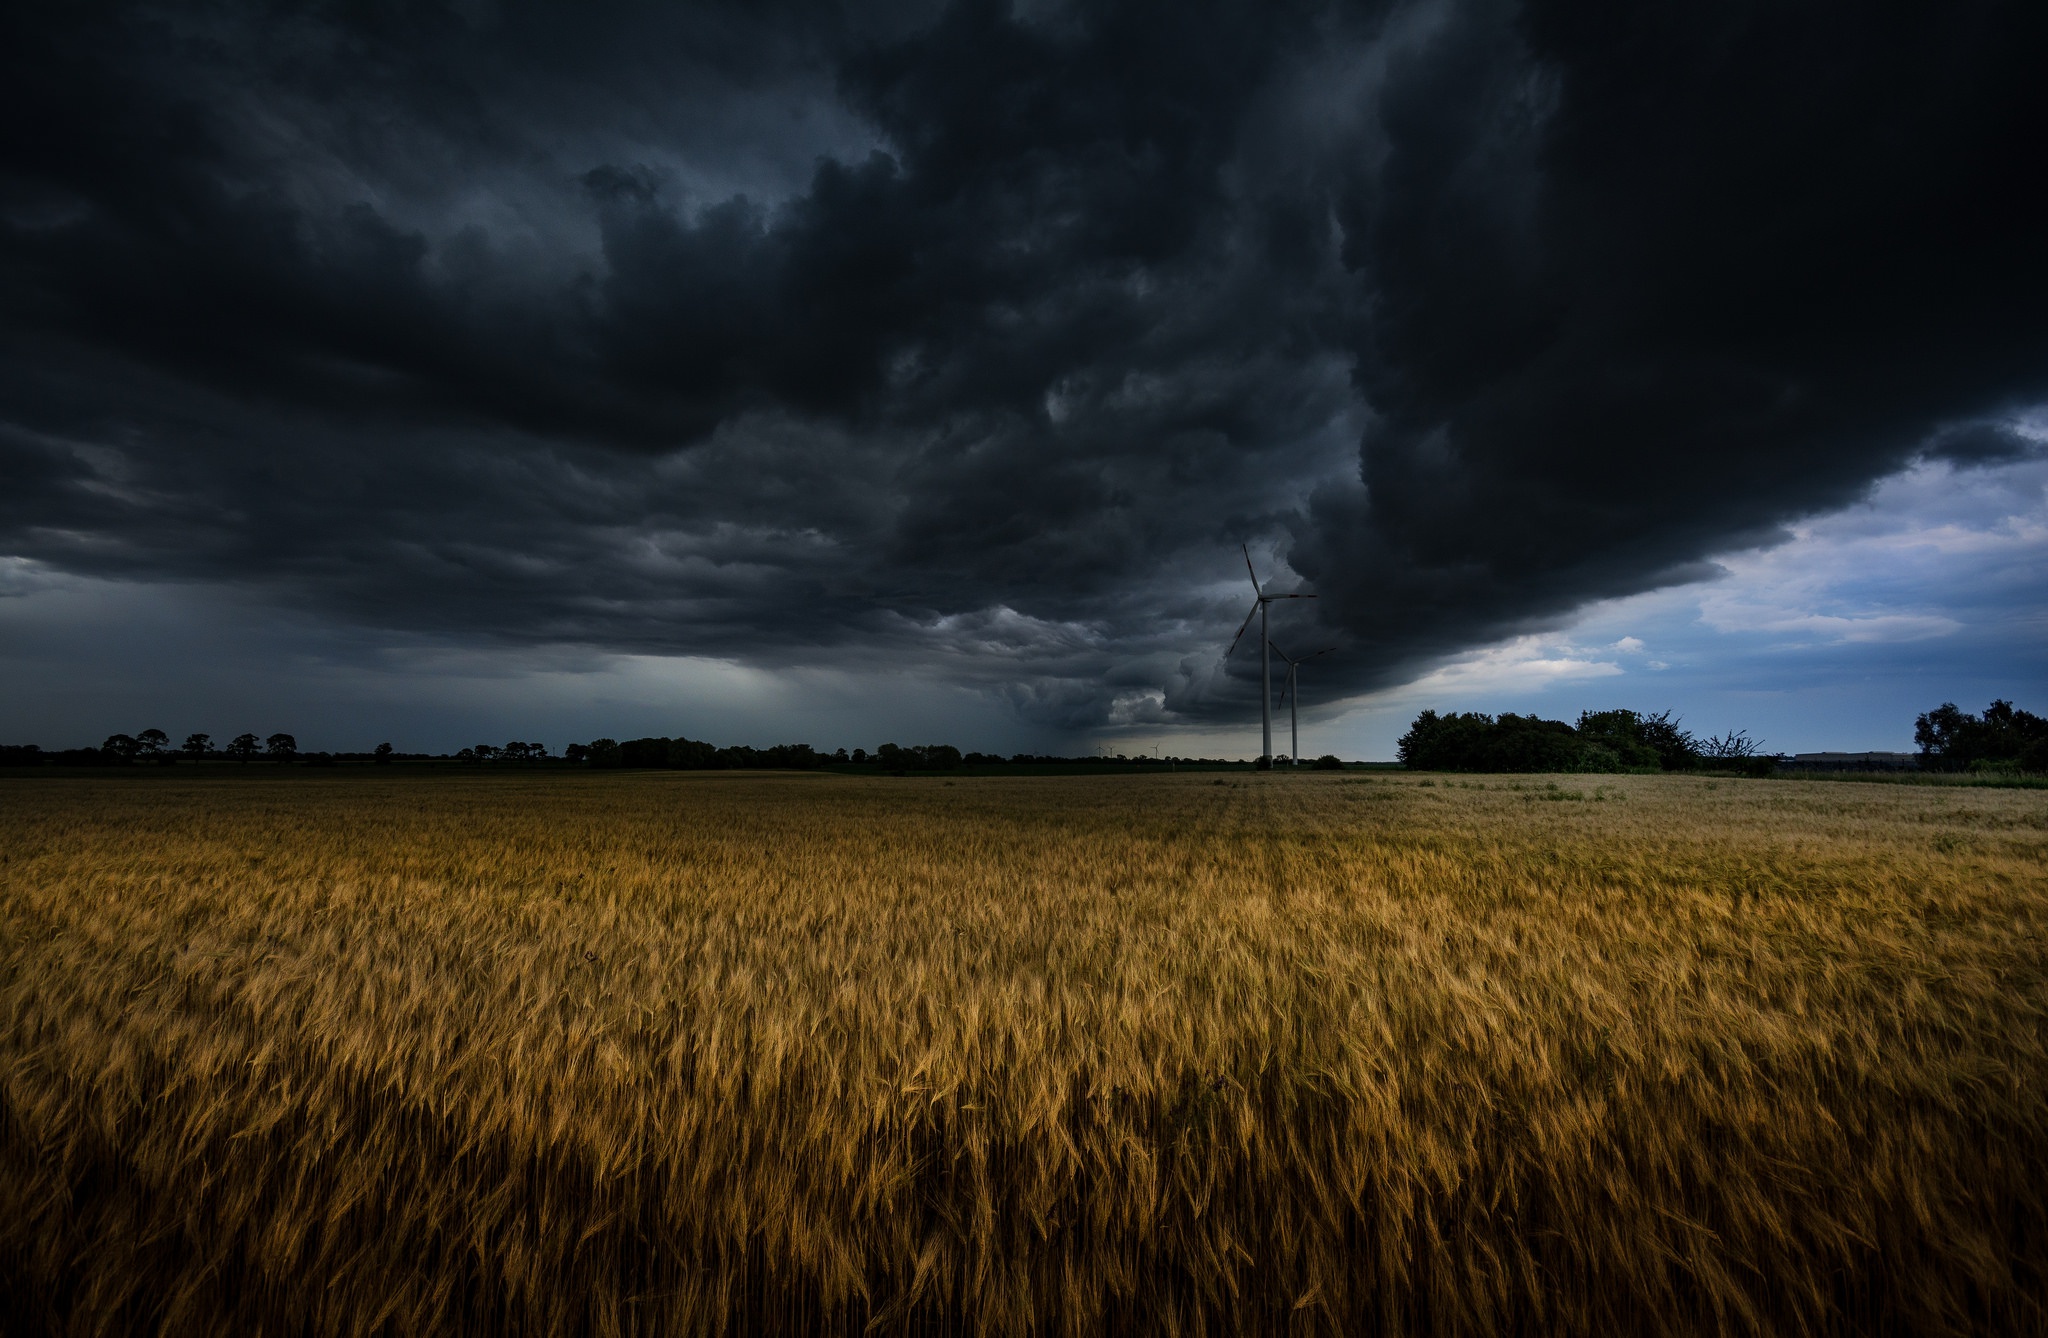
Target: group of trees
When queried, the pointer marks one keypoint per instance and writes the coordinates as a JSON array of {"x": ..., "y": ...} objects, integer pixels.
[
  {"x": 1950, "y": 739},
  {"x": 152, "y": 747},
  {"x": 920, "y": 757},
  {"x": 1602, "y": 741},
  {"x": 691, "y": 755},
  {"x": 2002, "y": 739},
  {"x": 694, "y": 755},
  {"x": 515, "y": 751}
]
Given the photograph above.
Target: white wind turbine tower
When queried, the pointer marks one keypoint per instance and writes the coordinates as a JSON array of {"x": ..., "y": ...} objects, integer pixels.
[
  {"x": 1292, "y": 695},
  {"x": 1265, "y": 656}
]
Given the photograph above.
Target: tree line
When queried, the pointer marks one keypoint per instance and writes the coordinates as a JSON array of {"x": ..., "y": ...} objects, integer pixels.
[
  {"x": 695, "y": 755},
  {"x": 1602, "y": 741},
  {"x": 1950, "y": 739},
  {"x": 2002, "y": 738},
  {"x": 152, "y": 747}
]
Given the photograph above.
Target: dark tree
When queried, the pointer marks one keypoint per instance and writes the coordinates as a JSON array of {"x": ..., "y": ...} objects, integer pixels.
[
  {"x": 243, "y": 747},
  {"x": 1941, "y": 734},
  {"x": 120, "y": 747},
  {"x": 924, "y": 757},
  {"x": 1952, "y": 739},
  {"x": 1635, "y": 742},
  {"x": 685, "y": 754},
  {"x": 198, "y": 745},
  {"x": 1471, "y": 741},
  {"x": 897, "y": 758},
  {"x": 382, "y": 755},
  {"x": 606, "y": 753},
  {"x": 1734, "y": 746},
  {"x": 1604, "y": 741},
  {"x": 1328, "y": 762},
  {"x": 647, "y": 752},
  {"x": 151, "y": 743},
  {"x": 281, "y": 747}
]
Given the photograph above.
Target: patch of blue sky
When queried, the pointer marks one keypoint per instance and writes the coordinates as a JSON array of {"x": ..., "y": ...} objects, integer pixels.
[{"x": 1932, "y": 589}]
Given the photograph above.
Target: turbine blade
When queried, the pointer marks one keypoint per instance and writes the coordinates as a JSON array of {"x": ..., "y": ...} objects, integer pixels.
[
  {"x": 1249, "y": 572},
  {"x": 1241, "y": 626},
  {"x": 1277, "y": 651},
  {"x": 1324, "y": 651}
]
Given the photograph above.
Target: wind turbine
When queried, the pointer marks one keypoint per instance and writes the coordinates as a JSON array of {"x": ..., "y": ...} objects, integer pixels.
[
  {"x": 1291, "y": 693},
  {"x": 1265, "y": 659}
]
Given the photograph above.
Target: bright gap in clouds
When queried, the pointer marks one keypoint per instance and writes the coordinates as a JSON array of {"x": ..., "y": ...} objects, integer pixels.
[{"x": 1933, "y": 589}]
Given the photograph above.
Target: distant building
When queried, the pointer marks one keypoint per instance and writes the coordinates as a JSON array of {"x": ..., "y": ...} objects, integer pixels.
[{"x": 1850, "y": 762}]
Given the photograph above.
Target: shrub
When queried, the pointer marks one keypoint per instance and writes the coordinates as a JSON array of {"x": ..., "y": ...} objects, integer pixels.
[{"x": 1598, "y": 758}]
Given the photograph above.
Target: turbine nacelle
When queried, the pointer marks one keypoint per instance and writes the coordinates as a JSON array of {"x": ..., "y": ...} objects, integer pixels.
[
  {"x": 1259, "y": 601},
  {"x": 1294, "y": 664}
]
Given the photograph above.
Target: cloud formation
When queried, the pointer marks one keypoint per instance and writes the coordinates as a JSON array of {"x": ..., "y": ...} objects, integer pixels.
[
  {"x": 1835, "y": 638},
  {"x": 979, "y": 336}
]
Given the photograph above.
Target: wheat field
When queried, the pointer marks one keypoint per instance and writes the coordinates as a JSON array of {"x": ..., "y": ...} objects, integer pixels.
[{"x": 680, "y": 1053}]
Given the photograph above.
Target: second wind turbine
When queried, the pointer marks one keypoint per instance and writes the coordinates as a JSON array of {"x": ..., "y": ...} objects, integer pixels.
[
  {"x": 1293, "y": 691},
  {"x": 1265, "y": 659}
]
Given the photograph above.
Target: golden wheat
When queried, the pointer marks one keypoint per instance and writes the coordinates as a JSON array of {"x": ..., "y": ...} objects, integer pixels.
[{"x": 672, "y": 1053}]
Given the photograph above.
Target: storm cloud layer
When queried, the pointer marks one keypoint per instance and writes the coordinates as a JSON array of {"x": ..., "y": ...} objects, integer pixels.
[{"x": 980, "y": 336}]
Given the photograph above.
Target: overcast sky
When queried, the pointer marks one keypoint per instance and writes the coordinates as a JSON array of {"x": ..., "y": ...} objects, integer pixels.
[{"x": 844, "y": 373}]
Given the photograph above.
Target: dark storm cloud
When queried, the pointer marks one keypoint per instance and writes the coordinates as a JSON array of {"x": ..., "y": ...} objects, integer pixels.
[
  {"x": 1980, "y": 446},
  {"x": 1651, "y": 280},
  {"x": 792, "y": 333}
]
